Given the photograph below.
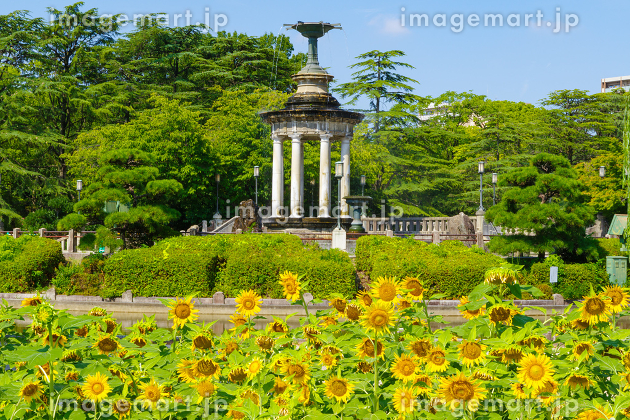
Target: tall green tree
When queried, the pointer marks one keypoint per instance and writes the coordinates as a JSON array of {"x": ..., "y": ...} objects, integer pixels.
[{"x": 544, "y": 210}]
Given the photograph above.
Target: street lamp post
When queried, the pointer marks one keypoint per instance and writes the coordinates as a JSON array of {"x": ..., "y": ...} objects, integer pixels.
[
  {"x": 339, "y": 175},
  {"x": 363, "y": 180},
  {"x": 79, "y": 187},
  {"x": 256, "y": 174},
  {"x": 495, "y": 177},
  {"x": 217, "y": 178},
  {"x": 480, "y": 170}
]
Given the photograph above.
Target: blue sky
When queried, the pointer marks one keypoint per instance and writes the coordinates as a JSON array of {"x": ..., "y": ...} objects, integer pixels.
[{"x": 516, "y": 63}]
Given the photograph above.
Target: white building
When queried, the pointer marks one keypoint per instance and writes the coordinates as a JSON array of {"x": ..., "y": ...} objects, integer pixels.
[{"x": 612, "y": 83}]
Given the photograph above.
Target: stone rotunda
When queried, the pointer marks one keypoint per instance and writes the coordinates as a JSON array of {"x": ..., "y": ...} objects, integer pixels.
[{"x": 311, "y": 114}]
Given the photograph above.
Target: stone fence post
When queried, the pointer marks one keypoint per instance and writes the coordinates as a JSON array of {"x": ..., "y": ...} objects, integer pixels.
[
  {"x": 435, "y": 238},
  {"x": 16, "y": 233},
  {"x": 72, "y": 241},
  {"x": 42, "y": 231},
  {"x": 480, "y": 239}
]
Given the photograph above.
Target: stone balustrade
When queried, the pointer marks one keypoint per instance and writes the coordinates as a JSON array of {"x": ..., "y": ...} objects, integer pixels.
[{"x": 411, "y": 225}]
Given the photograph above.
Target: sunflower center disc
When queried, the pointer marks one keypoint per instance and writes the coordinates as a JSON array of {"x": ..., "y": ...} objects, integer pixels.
[
  {"x": 462, "y": 391},
  {"x": 536, "y": 372},
  {"x": 595, "y": 306},
  {"x": 182, "y": 311},
  {"x": 339, "y": 388},
  {"x": 408, "y": 368},
  {"x": 387, "y": 292},
  {"x": 380, "y": 320},
  {"x": 248, "y": 304},
  {"x": 97, "y": 388},
  {"x": 472, "y": 351}
]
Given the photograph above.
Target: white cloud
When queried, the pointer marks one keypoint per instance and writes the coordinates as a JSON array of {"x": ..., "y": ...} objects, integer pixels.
[{"x": 388, "y": 25}]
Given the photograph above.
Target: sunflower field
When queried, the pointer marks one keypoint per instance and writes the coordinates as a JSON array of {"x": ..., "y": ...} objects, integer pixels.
[{"x": 379, "y": 356}]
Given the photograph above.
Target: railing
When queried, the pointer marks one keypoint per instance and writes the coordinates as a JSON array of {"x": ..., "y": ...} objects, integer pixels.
[{"x": 376, "y": 225}]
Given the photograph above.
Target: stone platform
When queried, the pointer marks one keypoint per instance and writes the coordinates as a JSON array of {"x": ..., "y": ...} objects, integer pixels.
[{"x": 305, "y": 224}]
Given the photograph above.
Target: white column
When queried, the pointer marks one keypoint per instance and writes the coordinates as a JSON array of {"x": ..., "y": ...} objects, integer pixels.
[
  {"x": 324, "y": 175},
  {"x": 277, "y": 177},
  {"x": 296, "y": 174},
  {"x": 303, "y": 211},
  {"x": 345, "y": 181}
]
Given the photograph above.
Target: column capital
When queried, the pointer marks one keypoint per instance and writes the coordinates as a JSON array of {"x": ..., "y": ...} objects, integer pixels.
[
  {"x": 325, "y": 136},
  {"x": 276, "y": 138},
  {"x": 346, "y": 139},
  {"x": 295, "y": 137}
]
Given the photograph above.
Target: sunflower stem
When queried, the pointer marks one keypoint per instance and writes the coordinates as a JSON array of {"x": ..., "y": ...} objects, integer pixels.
[
  {"x": 174, "y": 338},
  {"x": 51, "y": 384},
  {"x": 426, "y": 312},
  {"x": 376, "y": 396}
]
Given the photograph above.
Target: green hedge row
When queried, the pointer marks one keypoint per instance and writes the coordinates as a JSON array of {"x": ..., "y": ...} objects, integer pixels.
[
  {"x": 229, "y": 263},
  {"x": 28, "y": 263},
  {"x": 450, "y": 268}
]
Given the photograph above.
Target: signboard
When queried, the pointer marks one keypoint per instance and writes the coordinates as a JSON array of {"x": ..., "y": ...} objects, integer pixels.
[{"x": 553, "y": 274}]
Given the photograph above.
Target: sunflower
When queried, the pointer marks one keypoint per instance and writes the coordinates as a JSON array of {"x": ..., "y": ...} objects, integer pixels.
[
  {"x": 237, "y": 375},
  {"x": 598, "y": 413},
  {"x": 405, "y": 400},
  {"x": 110, "y": 325},
  {"x": 518, "y": 389},
  {"x": 185, "y": 370},
  {"x": 43, "y": 313},
  {"x": 328, "y": 321},
  {"x": 290, "y": 286},
  {"x": 297, "y": 371},
  {"x": 304, "y": 394},
  {"x": 535, "y": 371},
  {"x": 339, "y": 304},
  {"x": 458, "y": 388},
  {"x": 278, "y": 327},
  {"x": 338, "y": 388},
  {"x": 436, "y": 360},
  {"x": 43, "y": 371},
  {"x": 484, "y": 375},
  {"x": 265, "y": 343},
  {"x": 420, "y": 347},
  {"x": 576, "y": 380},
  {"x": 235, "y": 414},
  {"x": 618, "y": 298},
  {"x": 583, "y": 347},
  {"x": 423, "y": 381},
  {"x": 404, "y": 368},
  {"x": 471, "y": 353},
  {"x": 230, "y": 347},
  {"x": 501, "y": 313},
  {"x": 364, "y": 298},
  {"x": 251, "y": 395},
  {"x": 378, "y": 317},
  {"x": 595, "y": 309},
  {"x": 122, "y": 407},
  {"x": 152, "y": 393},
  {"x": 311, "y": 333},
  {"x": 237, "y": 319},
  {"x": 579, "y": 324},
  {"x": 206, "y": 367},
  {"x": 106, "y": 345},
  {"x": 386, "y": 289},
  {"x": 534, "y": 341},
  {"x": 72, "y": 376},
  {"x": 353, "y": 312},
  {"x": 414, "y": 288},
  {"x": 205, "y": 388},
  {"x": 509, "y": 355},
  {"x": 33, "y": 301},
  {"x": 366, "y": 348},
  {"x": 96, "y": 311},
  {"x": 182, "y": 311},
  {"x": 31, "y": 391},
  {"x": 328, "y": 360},
  {"x": 202, "y": 341},
  {"x": 364, "y": 367},
  {"x": 254, "y": 367},
  {"x": 248, "y": 303},
  {"x": 550, "y": 387},
  {"x": 279, "y": 386},
  {"x": 96, "y": 387},
  {"x": 138, "y": 341},
  {"x": 58, "y": 340},
  {"x": 468, "y": 313}
]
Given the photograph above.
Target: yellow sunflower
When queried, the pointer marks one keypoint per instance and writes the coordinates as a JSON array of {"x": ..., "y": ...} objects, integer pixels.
[
  {"x": 182, "y": 311},
  {"x": 420, "y": 347},
  {"x": 254, "y": 367},
  {"x": 471, "y": 353},
  {"x": 414, "y": 288},
  {"x": 467, "y": 313},
  {"x": 618, "y": 298},
  {"x": 364, "y": 298},
  {"x": 265, "y": 343},
  {"x": 33, "y": 301},
  {"x": 548, "y": 393},
  {"x": 338, "y": 388},
  {"x": 205, "y": 388},
  {"x": 279, "y": 327},
  {"x": 378, "y": 317},
  {"x": 202, "y": 341},
  {"x": 248, "y": 303},
  {"x": 582, "y": 347},
  {"x": 405, "y": 400},
  {"x": 519, "y": 391},
  {"x": 328, "y": 360},
  {"x": 509, "y": 355},
  {"x": 501, "y": 313},
  {"x": 366, "y": 348},
  {"x": 251, "y": 395},
  {"x": 206, "y": 367},
  {"x": 404, "y": 368},
  {"x": 290, "y": 286},
  {"x": 576, "y": 380},
  {"x": 595, "y": 414},
  {"x": 106, "y": 344},
  {"x": 579, "y": 324},
  {"x": 297, "y": 371},
  {"x": 535, "y": 370},
  {"x": 436, "y": 360},
  {"x": 460, "y": 389},
  {"x": 185, "y": 370},
  {"x": 31, "y": 391},
  {"x": 151, "y": 393},
  {"x": 237, "y": 375},
  {"x": 364, "y": 367},
  {"x": 386, "y": 289},
  {"x": 58, "y": 340},
  {"x": 537, "y": 342},
  {"x": 122, "y": 407},
  {"x": 353, "y": 312},
  {"x": 279, "y": 386},
  {"x": 339, "y": 304},
  {"x": 594, "y": 309},
  {"x": 96, "y": 387}
]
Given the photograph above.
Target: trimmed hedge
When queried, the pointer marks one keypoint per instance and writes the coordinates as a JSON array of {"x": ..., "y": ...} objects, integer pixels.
[
  {"x": 229, "y": 263},
  {"x": 28, "y": 263},
  {"x": 574, "y": 280},
  {"x": 450, "y": 268}
]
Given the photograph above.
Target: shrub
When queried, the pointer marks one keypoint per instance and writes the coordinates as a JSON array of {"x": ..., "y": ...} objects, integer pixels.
[
  {"x": 450, "y": 268},
  {"x": 611, "y": 247},
  {"x": 84, "y": 278},
  {"x": 27, "y": 263}
]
